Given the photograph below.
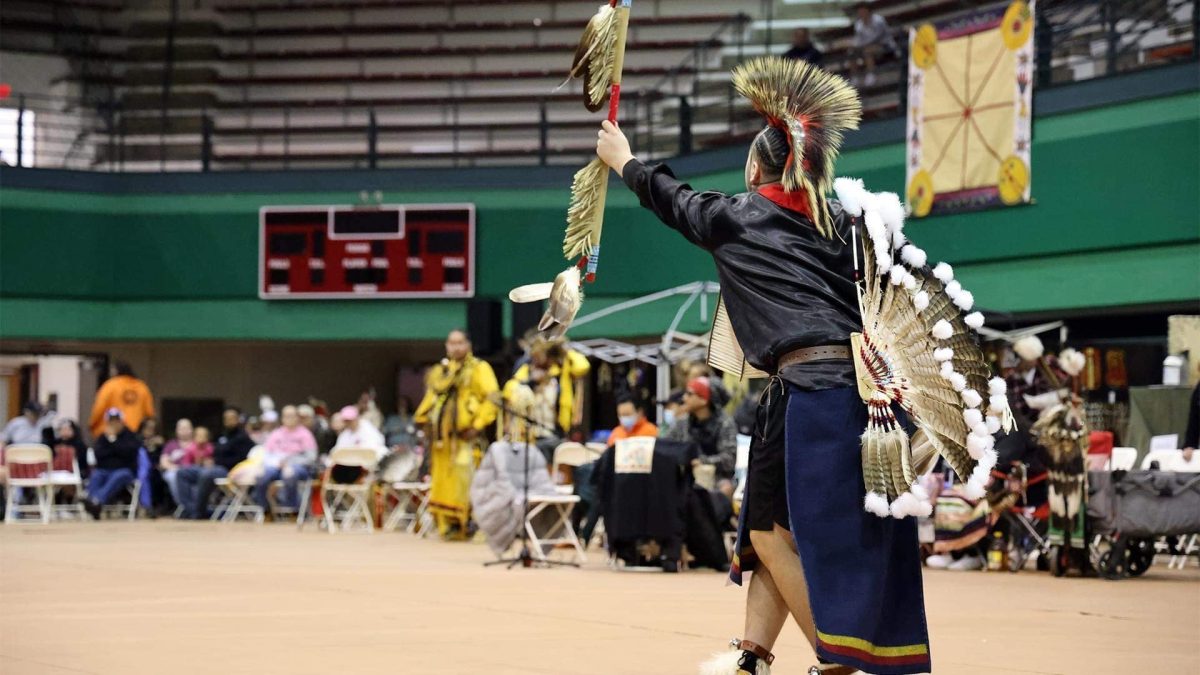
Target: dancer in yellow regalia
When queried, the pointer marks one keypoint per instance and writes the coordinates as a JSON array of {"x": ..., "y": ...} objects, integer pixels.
[{"x": 456, "y": 411}]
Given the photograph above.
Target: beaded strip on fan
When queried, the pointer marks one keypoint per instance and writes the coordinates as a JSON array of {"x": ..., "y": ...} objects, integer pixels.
[{"x": 918, "y": 350}]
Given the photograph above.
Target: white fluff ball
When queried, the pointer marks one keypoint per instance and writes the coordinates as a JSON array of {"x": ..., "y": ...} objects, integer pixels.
[
  {"x": 876, "y": 503},
  {"x": 1071, "y": 361},
  {"x": 896, "y": 275},
  {"x": 993, "y": 424},
  {"x": 973, "y": 417},
  {"x": 942, "y": 330},
  {"x": 849, "y": 192},
  {"x": 943, "y": 272},
  {"x": 924, "y": 509},
  {"x": 905, "y": 505},
  {"x": 919, "y": 492},
  {"x": 974, "y": 490},
  {"x": 958, "y": 381},
  {"x": 953, "y": 289},
  {"x": 975, "y": 446},
  {"x": 910, "y": 282},
  {"x": 943, "y": 354},
  {"x": 883, "y": 259},
  {"x": 921, "y": 301},
  {"x": 913, "y": 256},
  {"x": 974, "y": 319},
  {"x": 947, "y": 370},
  {"x": 998, "y": 404},
  {"x": 965, "y": 300},
  {"x": 875, "y": 228},
  {"x": 997, "y": 386},
  {"x": 971, "y": 398},
  {"x": 988, "y": 461},
  {"x": 1029, "y": 348},
  {"x": 897, "y": 239},
  {"x": 979, "y": 428},
  {"x": 892, "y": 210}
]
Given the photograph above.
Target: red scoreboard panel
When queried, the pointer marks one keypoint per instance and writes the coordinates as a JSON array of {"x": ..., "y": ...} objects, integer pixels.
[{"x": 389, "y": 251}]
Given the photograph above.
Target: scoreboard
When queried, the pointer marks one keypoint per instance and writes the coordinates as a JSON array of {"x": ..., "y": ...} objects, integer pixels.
[{"x": 385, "y": 251}]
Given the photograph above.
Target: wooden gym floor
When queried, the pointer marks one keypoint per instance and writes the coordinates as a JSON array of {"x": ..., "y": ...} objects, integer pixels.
[{"x": 168, "y": 597}]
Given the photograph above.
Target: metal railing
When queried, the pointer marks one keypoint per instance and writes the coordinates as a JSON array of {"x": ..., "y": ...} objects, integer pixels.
[{"x": 689, "y": 107}]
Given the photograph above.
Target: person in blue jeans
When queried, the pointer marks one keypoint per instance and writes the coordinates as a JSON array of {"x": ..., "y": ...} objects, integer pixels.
[
  {"x": 196, "y": 483},
  {"x": 116, "y": 462},
  {"x": 289, "y": 451}
]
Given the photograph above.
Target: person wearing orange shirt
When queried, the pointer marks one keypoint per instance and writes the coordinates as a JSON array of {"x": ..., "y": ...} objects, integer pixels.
[
  {"x": 633, "y": 420},
  {"x": 125, "y": 392}
]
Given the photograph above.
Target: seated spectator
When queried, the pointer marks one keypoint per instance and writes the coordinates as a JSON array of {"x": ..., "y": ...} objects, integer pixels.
[
  {"x": 803, "y": 49},
  {"x": 706, "y": 425},
  {"x": 632, "y": 415},
  {"x": 68, "y": 439},
  {"x": 368, "y": 410},
  {"x": 268, "y": 423},
  {"x": 196, "y": 450},
  {"x": 28, "y": 427},
  {"x": 398, "y": 429},
  {"x": 116, "y": 453},
  {"x": 671, "y": 409},
  {"x": 196, "y": 483},
  {"x": 872, "y": 37},
  {"x": 290, "y": 452},
  {"x": 359, "y": 432}
]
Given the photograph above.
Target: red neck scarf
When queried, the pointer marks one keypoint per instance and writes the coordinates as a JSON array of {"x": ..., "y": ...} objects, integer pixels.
[{"x": 796, "y": 200}]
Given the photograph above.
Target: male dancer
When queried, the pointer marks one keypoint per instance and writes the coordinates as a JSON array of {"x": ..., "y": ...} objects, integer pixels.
[{"x": 851, "y": 580}]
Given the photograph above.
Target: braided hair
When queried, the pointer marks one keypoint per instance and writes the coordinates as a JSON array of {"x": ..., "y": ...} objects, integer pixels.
[{"x": 771, "y": 149}]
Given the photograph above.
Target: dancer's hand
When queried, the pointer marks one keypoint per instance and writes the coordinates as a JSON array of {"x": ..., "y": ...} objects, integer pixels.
[{"x": 613, "y": 147}]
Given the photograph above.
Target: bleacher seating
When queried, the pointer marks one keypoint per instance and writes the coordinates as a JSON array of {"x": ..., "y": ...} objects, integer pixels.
[{"x": 296, "y": 83}]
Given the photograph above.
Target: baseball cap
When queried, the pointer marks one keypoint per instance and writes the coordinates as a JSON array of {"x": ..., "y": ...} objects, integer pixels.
[
  {"x": 349, "y": 413},
  {"x": 701, "y": 387},
  {"x": 114, "y": 414}
]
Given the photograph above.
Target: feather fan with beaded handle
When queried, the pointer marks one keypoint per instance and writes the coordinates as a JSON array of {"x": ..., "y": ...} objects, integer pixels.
[{"x": 918, "y": 350}]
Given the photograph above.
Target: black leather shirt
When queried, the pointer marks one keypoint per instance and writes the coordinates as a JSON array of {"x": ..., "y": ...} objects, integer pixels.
[{"x": 785, "y": 286}]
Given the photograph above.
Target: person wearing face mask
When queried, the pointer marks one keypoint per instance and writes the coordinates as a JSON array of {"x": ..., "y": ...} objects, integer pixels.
[{"x": 632, "y": 415}]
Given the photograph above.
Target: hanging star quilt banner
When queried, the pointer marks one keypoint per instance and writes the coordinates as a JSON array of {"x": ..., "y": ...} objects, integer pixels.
[{"x": 970, "y": 106}]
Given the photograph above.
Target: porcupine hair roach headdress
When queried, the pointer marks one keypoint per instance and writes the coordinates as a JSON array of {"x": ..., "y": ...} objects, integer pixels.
[{"x": 812, "y": 108}]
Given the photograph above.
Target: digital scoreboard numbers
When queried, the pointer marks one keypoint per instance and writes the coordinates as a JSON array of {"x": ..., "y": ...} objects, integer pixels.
[{"x": 388, "y": 251}]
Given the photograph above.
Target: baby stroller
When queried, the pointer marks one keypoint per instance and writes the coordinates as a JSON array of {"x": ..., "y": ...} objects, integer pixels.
[
  {"x": 1027, "y": 523},
  {"x": 1129, "y": 511}
]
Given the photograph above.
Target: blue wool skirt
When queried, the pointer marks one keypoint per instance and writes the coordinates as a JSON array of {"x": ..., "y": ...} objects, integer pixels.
[{"x": 863, "y": 571}]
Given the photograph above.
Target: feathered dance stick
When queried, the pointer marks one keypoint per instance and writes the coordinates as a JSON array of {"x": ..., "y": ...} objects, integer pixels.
[{"x": 599, "y": 59}]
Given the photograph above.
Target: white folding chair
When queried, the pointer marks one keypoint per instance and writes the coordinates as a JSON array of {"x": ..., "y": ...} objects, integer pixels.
[
  {"x": 28, "y": 466},
  {"x": 334, "y": 495},
  {"x": 1123, "y": 459},
  {"x": 127, "y": 511},
  {"x": 407, "y": 492},
  {"x": 1166, "y": 459},
  {"x": 572, "y": 455},
  {"x": 65, "y": 474},
  {"x": 561, "y": 532},
  {"x": 235, "y": 493},
  {"x": 1187, "y": 465}
]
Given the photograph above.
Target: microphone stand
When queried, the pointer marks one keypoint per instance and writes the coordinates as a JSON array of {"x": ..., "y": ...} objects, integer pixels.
[{"x": 525, "y": 557}]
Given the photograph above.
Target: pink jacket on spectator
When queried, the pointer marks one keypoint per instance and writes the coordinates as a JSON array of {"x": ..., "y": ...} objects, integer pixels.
[
  {"x": 286, "y": 444},
  {"x": 196, "y": 453}
]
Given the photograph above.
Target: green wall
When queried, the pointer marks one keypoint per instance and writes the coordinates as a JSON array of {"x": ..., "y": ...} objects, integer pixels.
[{"x": 1115, "y": 222}]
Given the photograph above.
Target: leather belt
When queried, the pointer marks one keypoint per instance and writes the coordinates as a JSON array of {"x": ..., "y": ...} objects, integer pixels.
[{"x": 809, "y": 354}]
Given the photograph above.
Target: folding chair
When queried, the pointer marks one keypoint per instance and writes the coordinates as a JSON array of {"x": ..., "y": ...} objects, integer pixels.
[
  {"x": 406, "y": 493},
  {"x": 1166, "y": 459},
  {"x": 65, "y": 474},
  {"x": 1123, "y": 459},
  {"x": 1185, "y": 465},
  {"x": 334, "y": 495},
  {"x": 304, "y": 489},
  {"x": 127, "y": 511},
  {"x": 561, "y": 532},
  {"x": 28, "y": 466},
  {"x": 572, "y": 455},
  {"x": 235, "y": 493}
]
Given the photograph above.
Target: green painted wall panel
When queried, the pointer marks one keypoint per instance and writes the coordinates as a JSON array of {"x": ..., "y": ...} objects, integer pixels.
[{"x": 1116, "y": 220}]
